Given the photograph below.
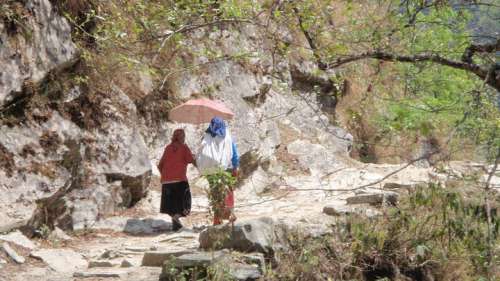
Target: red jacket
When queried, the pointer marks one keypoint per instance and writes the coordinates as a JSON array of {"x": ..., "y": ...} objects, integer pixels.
[{"x": 173, "y": 163}]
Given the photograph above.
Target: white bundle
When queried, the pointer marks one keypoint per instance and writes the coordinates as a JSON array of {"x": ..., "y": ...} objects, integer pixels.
[{"x": 215, "y": 153}]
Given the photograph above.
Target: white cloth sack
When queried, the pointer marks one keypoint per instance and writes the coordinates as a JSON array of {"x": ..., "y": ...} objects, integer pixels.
[{"x": 215, "y": 154}]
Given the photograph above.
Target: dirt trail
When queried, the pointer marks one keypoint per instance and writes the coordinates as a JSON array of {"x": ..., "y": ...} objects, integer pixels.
[{"x": 109, "y": 239}]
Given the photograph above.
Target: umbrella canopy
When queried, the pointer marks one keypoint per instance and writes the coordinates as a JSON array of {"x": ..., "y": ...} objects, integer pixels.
[{"x": 199, "y": 111}]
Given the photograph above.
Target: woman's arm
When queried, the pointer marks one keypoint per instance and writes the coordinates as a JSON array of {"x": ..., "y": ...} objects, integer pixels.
[
  {"x": 188, "y": 156},
  {"x": 235, "y": 159}
]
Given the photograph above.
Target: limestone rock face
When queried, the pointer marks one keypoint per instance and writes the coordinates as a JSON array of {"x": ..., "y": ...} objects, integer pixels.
[
  {"x": 29, "y": 51},
  {"x": 95, "y": 154}
]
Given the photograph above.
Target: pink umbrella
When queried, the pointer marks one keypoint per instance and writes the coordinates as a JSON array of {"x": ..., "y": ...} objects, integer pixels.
[{"x": 199, "y": 111}]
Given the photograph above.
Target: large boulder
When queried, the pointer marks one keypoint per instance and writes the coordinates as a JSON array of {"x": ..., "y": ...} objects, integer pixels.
[{"x": 262, "y": 235}]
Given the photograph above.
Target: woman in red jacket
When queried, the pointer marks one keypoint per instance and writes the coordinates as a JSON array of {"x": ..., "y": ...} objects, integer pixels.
[{"x": 175, "y": 193}]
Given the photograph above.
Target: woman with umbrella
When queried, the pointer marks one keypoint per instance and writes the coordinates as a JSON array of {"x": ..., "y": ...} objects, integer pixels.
[{"x": 218, "y": 150}]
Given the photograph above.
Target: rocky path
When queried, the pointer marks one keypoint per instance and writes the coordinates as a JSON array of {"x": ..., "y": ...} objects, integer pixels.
[{"x": 133, "y": 245}]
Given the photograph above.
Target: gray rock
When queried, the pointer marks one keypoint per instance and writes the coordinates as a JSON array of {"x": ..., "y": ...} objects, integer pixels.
[
  {"x": 374, "y": 199},
  {"x": 101, "y": 273},
  {"x": 254, "y": 258},
  {"x": 394, "y": 185},
  {"x": 102, "y": 263},
  {"x": 111, "y": 254},
  {"x": 335, "y": 210},
  {"x": 235, "y": 265},
  {"x": 197, "y": 262},
  {"x": 19, "y": 239},
  {"x": 244, "y": 272},
  {"x": 126, "y": 263},
  {"x": 61, "y": 260},
  {"x": 359, "y": 209},
  {"x": 257, "y": 235},
  {"x": 49, "y": 47},
  {"x": 84, "y": 214},
  {"x": 13, "y": 254},
  {"x": 8, "y": 224},
  {"x": 316, "y": 156},
  {"x": 157, "y": 258},
  {"x": 146, "y": 226},
  {"x": 138, "y": 249},
  {"x": 201, "y": 259},
  {"x": 59, "y": 234},
  {"x": 257, "y": 259},
  {"x": 134, "y": 226}
]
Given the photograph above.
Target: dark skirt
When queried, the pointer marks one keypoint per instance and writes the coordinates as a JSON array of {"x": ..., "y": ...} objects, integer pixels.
[{"x": 175, "y": 198}]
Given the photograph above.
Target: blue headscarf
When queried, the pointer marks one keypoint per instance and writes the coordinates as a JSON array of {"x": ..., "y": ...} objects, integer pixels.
[{"x": 217, "y": 127}]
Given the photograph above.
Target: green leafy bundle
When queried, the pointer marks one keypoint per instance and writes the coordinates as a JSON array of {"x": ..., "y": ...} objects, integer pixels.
[{"x": 220, "y": 184}]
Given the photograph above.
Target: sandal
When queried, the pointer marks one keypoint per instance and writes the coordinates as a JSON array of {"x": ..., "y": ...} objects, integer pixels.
[{"x": 176, "y": 223}]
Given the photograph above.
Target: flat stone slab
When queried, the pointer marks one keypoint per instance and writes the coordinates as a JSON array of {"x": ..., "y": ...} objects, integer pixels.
[
  {"x": 134, "y": 226},
  {"x": 157, "y": 258},
  {"x": 61, "y": 260},
  {"x": 202, "y": 259},
  {"x": 243, "y": 272},
  {"x": 103, "y": 263},
  {"x": 146, "y": 226},
  {"x": 138, "y": 249},
  {"x": 364, "y": 210},
  {"x": 335, "y": 210},
  {"x": 374, "y": 199},
  {"x": 101, "y": 273},
  {"x": 19, "y": 239},
  {"x": 182, "y": 235},
  {"x": 13, "y": 254},
  {"x": 412, "y": 186}
]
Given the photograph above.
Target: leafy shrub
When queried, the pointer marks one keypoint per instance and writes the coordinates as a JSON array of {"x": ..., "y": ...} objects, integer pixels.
[
  {"x": 220, "y": 184},
  {"x": 434, "y": 234}
]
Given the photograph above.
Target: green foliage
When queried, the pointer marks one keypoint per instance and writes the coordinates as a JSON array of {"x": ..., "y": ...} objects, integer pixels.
[
  {"x": 14, "y": 17},
  {"x": 44, "y": 231},
  {"x": 422, "y": 99},
  {"x": 435, "y": 98},
  {"x": 434, "y": 227},
  {"x": 214, "y": 272},
  {"x": 220, "y": 184},
  {"x": 434, "y": 233}
]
